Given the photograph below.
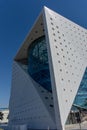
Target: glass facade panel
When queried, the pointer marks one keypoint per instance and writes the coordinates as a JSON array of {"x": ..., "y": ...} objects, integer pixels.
[
  {"x": 78, "y": 113},
  {"x": 81, "y": 98},
  {"x": 38, "y": 66}
]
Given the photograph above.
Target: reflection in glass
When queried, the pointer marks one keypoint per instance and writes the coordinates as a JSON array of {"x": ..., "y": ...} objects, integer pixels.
[
  {"x": 78, "y": 114},
  {"x": 38, "y": 66},
  {"x": 81, "y": 98}
]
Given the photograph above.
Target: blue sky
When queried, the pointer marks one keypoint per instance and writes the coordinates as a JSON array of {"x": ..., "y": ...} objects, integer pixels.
[{"x": 16, "y": 18}]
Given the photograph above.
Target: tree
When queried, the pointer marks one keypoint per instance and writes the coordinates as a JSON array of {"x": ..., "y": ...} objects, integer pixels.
[{"x": 1, "y": 115}]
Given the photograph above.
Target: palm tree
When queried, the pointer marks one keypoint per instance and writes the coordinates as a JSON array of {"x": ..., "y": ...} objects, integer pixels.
[{"x": 1, "y": 115}]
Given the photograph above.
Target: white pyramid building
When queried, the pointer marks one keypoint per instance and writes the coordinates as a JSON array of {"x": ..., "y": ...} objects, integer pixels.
[{"x": 47, "y": 72}]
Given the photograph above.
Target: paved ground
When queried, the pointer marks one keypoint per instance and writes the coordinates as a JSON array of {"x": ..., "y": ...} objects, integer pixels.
[{"x": 83, "y": 126}]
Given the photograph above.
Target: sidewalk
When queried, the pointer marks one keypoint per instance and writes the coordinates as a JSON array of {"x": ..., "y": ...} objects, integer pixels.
[{"x": 82, "y": 126}]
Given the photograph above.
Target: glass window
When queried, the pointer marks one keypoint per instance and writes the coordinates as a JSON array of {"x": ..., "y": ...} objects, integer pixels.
[{"x": 38, "y": 66}]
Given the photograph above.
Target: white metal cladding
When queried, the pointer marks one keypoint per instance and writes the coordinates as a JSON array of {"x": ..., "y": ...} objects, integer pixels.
[
  {"x": 26, "y": 105},
  {"x": 67, "y": 53}
]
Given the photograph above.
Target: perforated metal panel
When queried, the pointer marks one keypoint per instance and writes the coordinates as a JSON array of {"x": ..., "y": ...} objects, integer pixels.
[
  {"x": 27, "y": 106},
  {"x": 67, "y": 49}
]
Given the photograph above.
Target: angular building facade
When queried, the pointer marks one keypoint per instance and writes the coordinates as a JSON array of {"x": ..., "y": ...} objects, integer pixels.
[{"x": 49, "y": 73}]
